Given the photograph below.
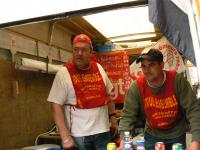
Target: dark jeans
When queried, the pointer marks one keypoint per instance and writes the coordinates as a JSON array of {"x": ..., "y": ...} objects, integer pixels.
[
  {"x": 151, "y": 140},
  {"x": 93, "y": 142}
]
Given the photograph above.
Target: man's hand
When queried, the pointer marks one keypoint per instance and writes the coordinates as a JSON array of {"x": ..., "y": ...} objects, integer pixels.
[
  {"x": 121, "y": 145},
  {"x": 114, "y": 126},
  {"x": 68, "y": 143},
  {"x": 195, "y": 145}
]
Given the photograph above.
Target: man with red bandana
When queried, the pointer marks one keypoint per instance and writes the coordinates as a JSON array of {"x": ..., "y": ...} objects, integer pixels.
[
  {"x": 82, "y": 88},
  {"x": 166, "y": 99}
]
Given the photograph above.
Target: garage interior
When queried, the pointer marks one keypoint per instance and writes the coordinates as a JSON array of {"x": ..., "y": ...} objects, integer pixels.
[{"x": 25, "y": 113}]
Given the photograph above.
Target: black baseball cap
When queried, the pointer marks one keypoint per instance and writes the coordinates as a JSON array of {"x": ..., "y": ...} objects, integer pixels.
[{"x": 152, "y": 54}]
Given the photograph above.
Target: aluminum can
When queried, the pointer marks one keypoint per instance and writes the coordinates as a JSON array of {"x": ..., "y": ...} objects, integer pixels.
[
  {"x": 140, "y": 145},
  {"x": 111, "y": 146},
  {"x": 159, "y": 146},
  {"x": 177, "y": 146}
]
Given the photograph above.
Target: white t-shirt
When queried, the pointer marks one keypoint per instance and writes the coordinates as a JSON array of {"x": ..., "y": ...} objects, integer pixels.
[{"x": 84, "y": 121}]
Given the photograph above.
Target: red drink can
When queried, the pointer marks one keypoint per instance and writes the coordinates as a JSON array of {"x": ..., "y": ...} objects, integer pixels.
[{"x": 159, "y": 146}]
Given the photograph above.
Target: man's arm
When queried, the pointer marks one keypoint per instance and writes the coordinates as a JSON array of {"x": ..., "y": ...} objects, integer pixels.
[
  {"x": 113, "y": 120},
  {"x": 111, "y": 107},
  {"x": 111, "y": 104},
  {"x": 191, "y": 106},
  {"x": 58, "y": 114},
  {"x": 112, "y": 117},
  {"x": 130, "y": 112},
  {"x": 59, "y": 120},
  {"x": 130, "y": 109}
]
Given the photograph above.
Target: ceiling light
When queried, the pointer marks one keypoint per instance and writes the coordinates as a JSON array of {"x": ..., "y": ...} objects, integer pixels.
[
  {"x": 122, "y": 21},
  {"x": 134, "y": 37}
]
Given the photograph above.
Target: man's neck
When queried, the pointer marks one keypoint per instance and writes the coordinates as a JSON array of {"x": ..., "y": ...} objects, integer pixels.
[
  {"x": 159, "y": 82},
  {"x": 87, "y": 67}
]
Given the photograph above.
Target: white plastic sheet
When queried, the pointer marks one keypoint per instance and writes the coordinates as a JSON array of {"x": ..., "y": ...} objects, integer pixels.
[{"x": 34, "y": 65}]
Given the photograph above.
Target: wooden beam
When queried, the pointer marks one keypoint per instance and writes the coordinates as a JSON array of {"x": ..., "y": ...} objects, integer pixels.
[
  {"x": 197, "y": 3},
  {"x": 135, "y": 51}
]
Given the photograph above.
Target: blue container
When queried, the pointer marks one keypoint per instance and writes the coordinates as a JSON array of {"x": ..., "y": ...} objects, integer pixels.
[
  {"x": 140, "y": 145},
  {"x": 128, "y": 145},
  {"x": 104, "y": 48}
]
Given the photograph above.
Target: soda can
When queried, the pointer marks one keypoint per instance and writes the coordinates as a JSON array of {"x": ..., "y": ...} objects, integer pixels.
[
  {"x": 140, "y": 145},
  {"x": 177, "y": 146},
  {"x": 159, "y": 146},
  {"x": 111, "y": 146}
]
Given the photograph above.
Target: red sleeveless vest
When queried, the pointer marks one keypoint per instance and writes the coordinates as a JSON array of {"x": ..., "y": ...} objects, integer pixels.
[
  {"x": 88, "y": 85},
  {"x": 162, "y": 109}
]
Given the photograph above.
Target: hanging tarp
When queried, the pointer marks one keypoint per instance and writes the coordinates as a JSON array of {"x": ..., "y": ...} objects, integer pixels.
[{"x": 173, "y": 21}]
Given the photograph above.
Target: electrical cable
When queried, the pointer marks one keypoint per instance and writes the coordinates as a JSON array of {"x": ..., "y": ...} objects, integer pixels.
[{"x": 36, "y": 140}]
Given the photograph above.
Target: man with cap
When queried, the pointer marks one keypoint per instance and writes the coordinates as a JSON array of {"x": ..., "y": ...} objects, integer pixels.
[
  {"x": 82, "y": 88},
  {"x": 166, "y": 99}
]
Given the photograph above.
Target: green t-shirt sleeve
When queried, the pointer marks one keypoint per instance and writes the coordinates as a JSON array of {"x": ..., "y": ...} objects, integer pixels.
[
  {"x": 130, "y": 109},
  {"x": 189, "y": 103}
]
